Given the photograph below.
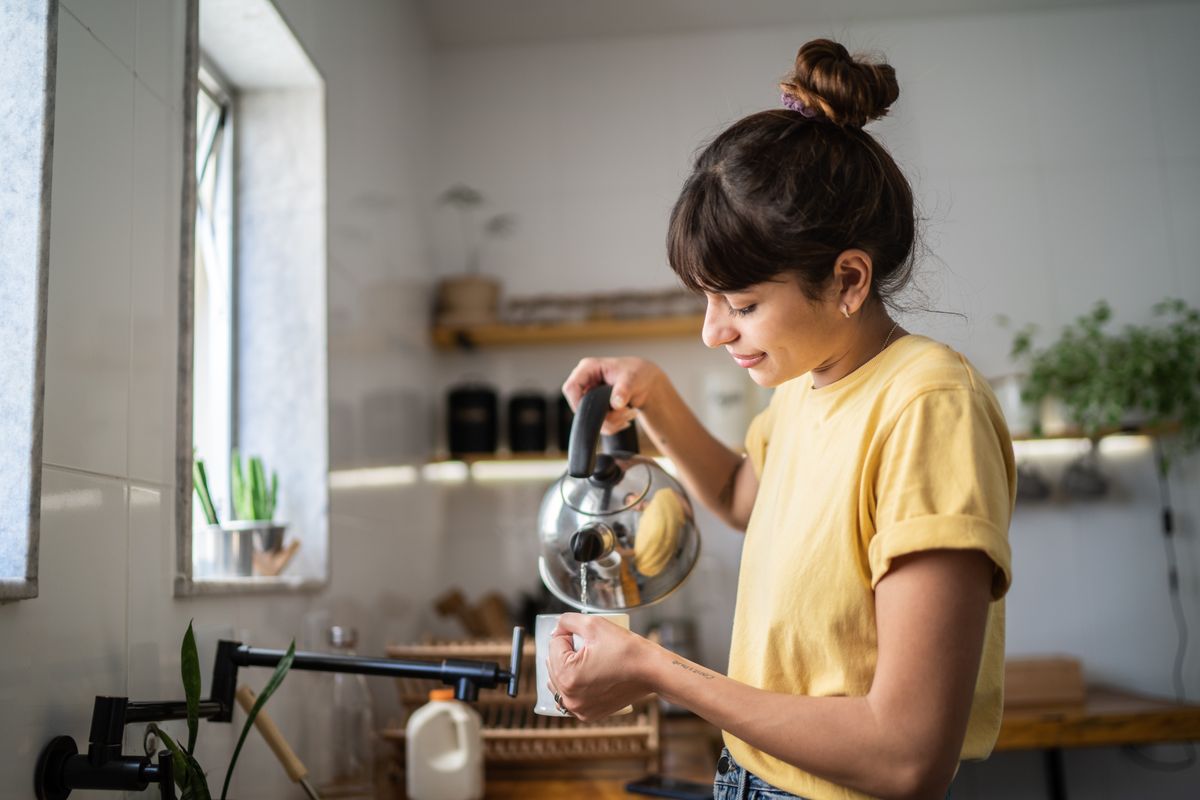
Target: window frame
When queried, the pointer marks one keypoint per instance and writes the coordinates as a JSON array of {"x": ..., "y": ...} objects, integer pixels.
[{"x": 212, "y": 83}]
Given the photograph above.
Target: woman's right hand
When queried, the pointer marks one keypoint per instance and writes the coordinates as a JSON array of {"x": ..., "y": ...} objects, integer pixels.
[{"x": 634, "y": 382}]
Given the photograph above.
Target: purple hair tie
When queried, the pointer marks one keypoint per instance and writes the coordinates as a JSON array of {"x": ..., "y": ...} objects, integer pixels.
[{"x": 796, "y": 105}]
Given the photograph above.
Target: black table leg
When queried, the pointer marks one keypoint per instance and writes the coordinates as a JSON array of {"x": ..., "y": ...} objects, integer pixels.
[{"x": 1056, "y": 782}]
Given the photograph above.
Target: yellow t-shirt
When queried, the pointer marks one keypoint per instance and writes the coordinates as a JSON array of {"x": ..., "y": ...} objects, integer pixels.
[{"x": 909, "y": 452}]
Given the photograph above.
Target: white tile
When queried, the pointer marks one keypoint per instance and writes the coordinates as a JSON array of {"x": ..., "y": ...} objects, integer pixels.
[
  {"x": 154, "y": 294},
  {"x": 1168, "y": 40},
  {"x": 110, "y": 21},
  {"x": 1089, "y": 91},
  {"x": 67, "y": 645},
  {"x": 158, "y": 58},
  {"x": 87, "y": 339},
  {"x": 1107, "y": 239},
  {"x": 154, "y": 628},
  {"x": 975, "y": 118},
  {"x": 986, "y": 231},
  {"x": 603, "y": 229},
  {"x": 1183, "y": 210}
]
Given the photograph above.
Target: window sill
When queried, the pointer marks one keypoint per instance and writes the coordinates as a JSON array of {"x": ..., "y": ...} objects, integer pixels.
[{"x": 199, "y": 587}]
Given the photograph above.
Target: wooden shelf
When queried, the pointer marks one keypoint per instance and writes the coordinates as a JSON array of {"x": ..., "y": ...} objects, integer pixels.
[
  {"x": 1158, "y": 430},
  {"x": 502, "y": 335}
]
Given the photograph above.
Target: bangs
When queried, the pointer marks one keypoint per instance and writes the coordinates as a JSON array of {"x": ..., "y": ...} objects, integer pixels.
[{"x": 710, "y": 246}]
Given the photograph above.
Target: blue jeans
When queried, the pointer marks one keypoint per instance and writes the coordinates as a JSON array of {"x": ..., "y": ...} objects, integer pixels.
[{"x": 732, "y": 782}]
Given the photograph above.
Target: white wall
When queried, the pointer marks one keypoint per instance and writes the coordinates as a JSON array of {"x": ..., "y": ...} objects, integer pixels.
[
  {"x": 105, "y": 621},
  {"x": 1055, "y": 156}
]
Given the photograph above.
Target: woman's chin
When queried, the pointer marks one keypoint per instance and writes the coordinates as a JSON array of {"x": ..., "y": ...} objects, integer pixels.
[{"x": 764, "y": 377}]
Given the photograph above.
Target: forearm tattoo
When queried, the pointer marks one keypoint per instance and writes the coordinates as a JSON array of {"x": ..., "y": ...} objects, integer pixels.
[{"x": 696, "y": 670}]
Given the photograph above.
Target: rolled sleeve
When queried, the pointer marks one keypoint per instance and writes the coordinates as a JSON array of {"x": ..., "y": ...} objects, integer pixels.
[{"x": 944, "y": 481}]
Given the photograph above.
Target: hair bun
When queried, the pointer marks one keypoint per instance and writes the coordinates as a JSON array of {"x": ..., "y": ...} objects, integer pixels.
[{"x": 839, "y": 88}]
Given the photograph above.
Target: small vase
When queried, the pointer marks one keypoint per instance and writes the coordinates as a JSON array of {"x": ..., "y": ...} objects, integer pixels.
[
  {"x": 1055, "y": 421},
  {"x": 227, "y": 550},
  {"x": 468, "y": 300},
  {"x": 1020, "y": 415}
]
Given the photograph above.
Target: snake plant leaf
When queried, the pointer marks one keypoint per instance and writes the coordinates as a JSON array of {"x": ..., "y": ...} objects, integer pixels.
[
  {"x": 189, "y": 775},
  {"x": 238, "y": 478},
  {"x": 274, "y": 494},
  {"x": 189, "y": 669},
  {"x": 200, "y": 483},
  {"x": 277, "y": 677},
  {"x": 258, "y": 487}
]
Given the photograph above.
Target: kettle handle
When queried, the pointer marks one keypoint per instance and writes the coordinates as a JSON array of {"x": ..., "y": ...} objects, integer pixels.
[{"x": 585, "y": 431}]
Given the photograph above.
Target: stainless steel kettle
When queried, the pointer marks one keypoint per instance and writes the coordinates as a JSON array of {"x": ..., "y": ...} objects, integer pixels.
[{"x": 617, "y": 531}]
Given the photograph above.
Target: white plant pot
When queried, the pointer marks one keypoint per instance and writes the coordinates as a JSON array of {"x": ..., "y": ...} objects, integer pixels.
[
  {"x": 1055, "y": 421},
  {"x": 1020, "y": 415}
]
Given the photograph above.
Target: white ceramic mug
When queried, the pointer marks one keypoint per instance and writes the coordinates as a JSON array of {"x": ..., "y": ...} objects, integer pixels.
[{"x": 544, "y": 627}]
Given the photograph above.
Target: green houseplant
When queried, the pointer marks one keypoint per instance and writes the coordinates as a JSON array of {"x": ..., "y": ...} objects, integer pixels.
[
  {"x": 1143, "y": 374},
  {"x": 250, "y": 543},
  {"x": 190, "y": 776}
]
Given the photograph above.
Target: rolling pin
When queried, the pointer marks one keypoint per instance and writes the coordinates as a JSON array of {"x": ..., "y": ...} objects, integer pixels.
[{"x": 292, "y": 765}]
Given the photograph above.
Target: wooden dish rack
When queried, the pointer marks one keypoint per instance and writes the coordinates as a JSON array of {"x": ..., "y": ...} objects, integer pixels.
[{"x": 514, "y": 736}]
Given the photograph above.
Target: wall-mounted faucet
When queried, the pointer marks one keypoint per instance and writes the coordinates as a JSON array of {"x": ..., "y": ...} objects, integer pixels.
[{"x": 61, "y": 768}]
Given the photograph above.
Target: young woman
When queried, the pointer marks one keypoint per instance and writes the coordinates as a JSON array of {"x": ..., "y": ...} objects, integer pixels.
[{"x": 876, "y": 489}]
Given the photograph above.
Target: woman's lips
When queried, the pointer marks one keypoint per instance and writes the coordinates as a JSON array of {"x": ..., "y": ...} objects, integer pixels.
[{"x": 746, "y": 362}]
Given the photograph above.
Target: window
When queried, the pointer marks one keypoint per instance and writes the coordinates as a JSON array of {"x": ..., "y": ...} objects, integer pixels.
[
  {"x": 253, "y": 320},
  {"x": 28, "y": 33},
  {"x": 213, "y": 282}
]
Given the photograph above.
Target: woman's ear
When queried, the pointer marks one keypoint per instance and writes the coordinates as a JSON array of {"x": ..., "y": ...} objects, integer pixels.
[{"x": 852, "y": 280}]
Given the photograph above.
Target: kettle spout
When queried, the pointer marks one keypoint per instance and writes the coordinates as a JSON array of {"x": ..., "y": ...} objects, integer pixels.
[{"x": 592, "y": 542}]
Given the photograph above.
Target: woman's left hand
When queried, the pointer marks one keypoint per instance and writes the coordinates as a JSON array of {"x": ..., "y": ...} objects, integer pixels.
[{"x": 605, "y": 674}]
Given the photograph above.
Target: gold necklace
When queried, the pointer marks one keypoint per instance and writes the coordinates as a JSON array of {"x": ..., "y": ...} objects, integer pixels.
[{"x": 889, "y": 336}]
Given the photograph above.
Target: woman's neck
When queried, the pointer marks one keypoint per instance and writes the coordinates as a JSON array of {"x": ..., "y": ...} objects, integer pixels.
[{"x": 875, "y": 331}]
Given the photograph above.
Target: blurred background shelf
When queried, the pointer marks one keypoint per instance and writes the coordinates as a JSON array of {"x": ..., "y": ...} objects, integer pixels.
[{"x": 504, "y": 335}]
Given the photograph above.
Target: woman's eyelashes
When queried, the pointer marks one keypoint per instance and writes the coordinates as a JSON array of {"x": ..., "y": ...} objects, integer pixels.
[{"x": 743, "y": 311}]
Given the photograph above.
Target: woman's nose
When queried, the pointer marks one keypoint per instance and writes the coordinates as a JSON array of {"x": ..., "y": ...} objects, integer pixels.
[{"x": 718, "y": 328}]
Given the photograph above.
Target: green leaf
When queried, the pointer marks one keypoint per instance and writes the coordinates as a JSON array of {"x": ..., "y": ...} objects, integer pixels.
[
  {"x": 274, "y": 494},
  {"x": 189, "y": 669},
  {"x": 189, "y": 775},
  {"x": 239, "y": 486},
  {"x": 200, "y": 483},
  {"x": 258, "y": 488},
  {"x": 281, "y": 671}
]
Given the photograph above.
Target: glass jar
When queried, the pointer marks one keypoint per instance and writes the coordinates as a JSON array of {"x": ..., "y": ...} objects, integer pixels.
[{"x": 347, "y": 768}]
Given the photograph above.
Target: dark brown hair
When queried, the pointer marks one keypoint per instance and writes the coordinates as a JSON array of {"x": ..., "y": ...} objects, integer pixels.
[{"x": 788, "y": 190}]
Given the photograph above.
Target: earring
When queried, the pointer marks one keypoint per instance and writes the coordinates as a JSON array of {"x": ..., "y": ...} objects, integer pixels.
[{"x": 845, "y": 311}]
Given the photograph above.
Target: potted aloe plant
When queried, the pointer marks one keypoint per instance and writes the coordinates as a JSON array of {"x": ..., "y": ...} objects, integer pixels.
[
  {"x": 190, "y": 776},
  {"x": 252, "y": 542}
]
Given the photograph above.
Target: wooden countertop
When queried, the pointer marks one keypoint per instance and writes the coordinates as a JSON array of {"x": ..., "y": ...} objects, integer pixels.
[
  {"x": 690, "y": 746},
  {"x": 1107, "y": 717}
]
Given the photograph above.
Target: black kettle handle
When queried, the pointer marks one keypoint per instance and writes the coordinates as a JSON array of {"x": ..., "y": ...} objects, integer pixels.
[{"x": 585, "y": 431}]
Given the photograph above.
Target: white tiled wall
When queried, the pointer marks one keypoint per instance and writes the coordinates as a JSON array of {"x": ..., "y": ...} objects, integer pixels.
[{"x": 105, "y": 621}]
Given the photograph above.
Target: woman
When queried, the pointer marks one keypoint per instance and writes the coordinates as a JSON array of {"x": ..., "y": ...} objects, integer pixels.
[{"x": 876, "y": 489}]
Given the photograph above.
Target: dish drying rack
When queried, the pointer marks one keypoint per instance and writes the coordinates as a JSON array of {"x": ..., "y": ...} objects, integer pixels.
[{"x": 514, "y": 736}]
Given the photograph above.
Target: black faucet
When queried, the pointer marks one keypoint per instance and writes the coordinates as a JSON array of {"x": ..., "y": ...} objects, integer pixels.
[{"x": 62, "y": 768}]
